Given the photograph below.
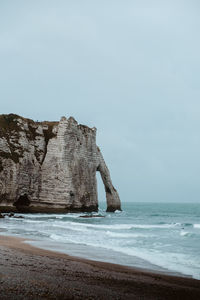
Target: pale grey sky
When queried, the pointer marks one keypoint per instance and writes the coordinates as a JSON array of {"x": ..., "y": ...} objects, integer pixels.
[{"x": 131, "y": 68}]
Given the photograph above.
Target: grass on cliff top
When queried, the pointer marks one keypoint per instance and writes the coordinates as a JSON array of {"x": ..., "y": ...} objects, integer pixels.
[
  {"x": 9, "y": 120},
  {"x": 9, "y": 124}
]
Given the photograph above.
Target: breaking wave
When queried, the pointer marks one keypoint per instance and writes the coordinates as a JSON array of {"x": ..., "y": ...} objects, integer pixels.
[{"x": 196, "y": 226}]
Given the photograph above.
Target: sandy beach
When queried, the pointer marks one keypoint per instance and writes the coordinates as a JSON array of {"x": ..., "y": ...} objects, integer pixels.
[{"x": 27, "y": 272}]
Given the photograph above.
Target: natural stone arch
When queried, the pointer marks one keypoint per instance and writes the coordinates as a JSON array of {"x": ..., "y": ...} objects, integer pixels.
[
  {"x": 112, "y": 197},
  {"x": 51, "y": 167}
]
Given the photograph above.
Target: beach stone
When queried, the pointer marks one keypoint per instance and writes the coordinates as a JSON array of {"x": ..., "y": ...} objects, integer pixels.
[{"x": 51, "y": 167}]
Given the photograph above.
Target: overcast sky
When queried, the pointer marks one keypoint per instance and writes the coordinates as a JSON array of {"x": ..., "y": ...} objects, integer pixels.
[{"x": 131, "y": 68}]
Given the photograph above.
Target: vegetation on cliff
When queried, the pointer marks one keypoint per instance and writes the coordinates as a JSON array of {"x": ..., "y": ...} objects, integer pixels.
[
  {"x": 9, "y": 126},
  {"x": 10, "y": 129}
]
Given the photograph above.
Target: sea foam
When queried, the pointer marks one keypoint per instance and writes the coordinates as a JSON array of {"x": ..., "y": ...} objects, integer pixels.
[
  {"x": 166, "y": 235},
  {"x": 196, "y": 226}
]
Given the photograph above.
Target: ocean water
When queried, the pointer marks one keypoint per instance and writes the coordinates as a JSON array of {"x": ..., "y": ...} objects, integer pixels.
[{"x": 159, "y": 236}]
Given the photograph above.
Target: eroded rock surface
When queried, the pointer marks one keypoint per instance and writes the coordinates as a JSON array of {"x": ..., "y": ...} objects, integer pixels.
[{"x": 51, "y": 167}]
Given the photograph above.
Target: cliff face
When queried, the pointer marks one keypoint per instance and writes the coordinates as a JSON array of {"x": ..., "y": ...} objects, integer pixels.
[{"x": 51, "y": 167}]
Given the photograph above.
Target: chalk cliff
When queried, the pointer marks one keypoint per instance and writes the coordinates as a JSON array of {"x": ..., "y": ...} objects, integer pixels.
[{"x": 51, "y": 167}]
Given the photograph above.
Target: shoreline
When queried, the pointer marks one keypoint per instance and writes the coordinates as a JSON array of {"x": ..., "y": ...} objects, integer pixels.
[
  {"x": 92, "y": 257},
  {"x": 80, "y": 278},
  {"x": 51, "y": 248}
]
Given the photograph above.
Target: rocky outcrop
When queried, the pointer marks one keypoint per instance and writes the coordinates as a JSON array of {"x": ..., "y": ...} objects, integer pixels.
[{"x": 51, "y": 167}]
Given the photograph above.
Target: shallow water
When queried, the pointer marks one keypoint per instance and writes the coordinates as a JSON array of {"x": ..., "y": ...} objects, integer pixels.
[{"x": 163, "y": 237}]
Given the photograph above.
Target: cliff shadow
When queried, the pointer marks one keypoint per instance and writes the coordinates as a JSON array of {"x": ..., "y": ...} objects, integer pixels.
[{"x": 22, "y": 203}]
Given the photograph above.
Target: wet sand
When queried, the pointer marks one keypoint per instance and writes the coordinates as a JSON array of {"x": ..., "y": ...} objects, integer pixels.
[{"x": 27, "y": 272}]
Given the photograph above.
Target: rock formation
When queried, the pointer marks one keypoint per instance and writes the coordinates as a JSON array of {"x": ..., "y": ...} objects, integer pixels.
[{"x": 51, "y": 167}]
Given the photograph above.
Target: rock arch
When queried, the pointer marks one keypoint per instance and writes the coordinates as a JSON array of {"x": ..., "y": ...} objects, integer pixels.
[
  {"x": 112, "y": 197},
  {"x": 51, "y": 167}
]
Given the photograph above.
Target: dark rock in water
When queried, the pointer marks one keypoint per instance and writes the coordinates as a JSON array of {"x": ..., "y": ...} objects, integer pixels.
[
  {"x": 90, "y": 216},
  {"x": 1, "y": 216},
  {"x": 51, "y": 167},
  {"x": 12, "y": 215}
]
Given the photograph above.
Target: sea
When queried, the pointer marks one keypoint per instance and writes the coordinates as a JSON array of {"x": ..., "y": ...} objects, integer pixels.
[{"x": 162, "y": 237}]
